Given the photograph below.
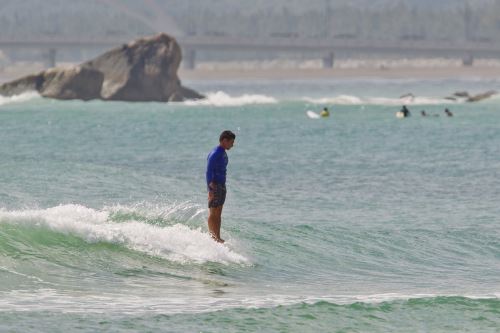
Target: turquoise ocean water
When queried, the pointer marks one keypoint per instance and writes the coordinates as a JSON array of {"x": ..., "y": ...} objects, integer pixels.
[{"x": 361, "y": 222}]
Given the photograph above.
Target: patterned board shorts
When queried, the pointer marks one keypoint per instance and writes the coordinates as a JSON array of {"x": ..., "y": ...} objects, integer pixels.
[{"x": 219, "y": 196}]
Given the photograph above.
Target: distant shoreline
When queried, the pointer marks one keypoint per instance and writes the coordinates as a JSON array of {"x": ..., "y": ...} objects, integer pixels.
[
  {"x": 473, "y": 72},
  {"x": 419, "y": 73}
]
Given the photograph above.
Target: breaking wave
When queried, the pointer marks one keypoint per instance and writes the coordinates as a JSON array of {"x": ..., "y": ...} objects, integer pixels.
[
  {"x": 355, "y": 100},
  {"x": 18, "y": 98},
  {"x": 155, "y": 234},
  {"x": 220, "y": 98}
]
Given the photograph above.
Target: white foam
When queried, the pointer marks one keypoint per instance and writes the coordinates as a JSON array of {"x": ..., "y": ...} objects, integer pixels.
[
  {"x": 494, "y": 99},
  {"x": 177, "y": 242},
  {"x": 185, "y": 211},
  {"x": 220, "y": 98},
  {"x": 18, "y": 98},
  {"x": 273, "y": 300},
  {"x": 44, "y": 299},
  {"x": 390, "y": 297},
  {"x": 355, "y": 100},
  {"x": 387, "y": 63}
]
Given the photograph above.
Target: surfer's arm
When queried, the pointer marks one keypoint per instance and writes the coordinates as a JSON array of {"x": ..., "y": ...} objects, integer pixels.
[{"x": 211, "y": 165}]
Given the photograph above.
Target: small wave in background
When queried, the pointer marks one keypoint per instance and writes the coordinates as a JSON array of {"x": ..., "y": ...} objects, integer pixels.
[
  {"x": 427, "y": 314},
  {"x": 417, "y": 314},
  {"x": 355, "y": 100},
  {"x": 220, "y": 98},
  {"x": 18, "y": 98}
]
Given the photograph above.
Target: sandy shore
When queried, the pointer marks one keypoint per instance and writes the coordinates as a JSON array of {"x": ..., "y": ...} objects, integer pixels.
[
  {"x": 458, "y": 72},
  {"x": 340, "y": 73}
]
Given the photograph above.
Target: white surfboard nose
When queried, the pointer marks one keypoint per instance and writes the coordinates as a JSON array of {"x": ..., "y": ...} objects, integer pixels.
[{"x": 312, "y": 114}]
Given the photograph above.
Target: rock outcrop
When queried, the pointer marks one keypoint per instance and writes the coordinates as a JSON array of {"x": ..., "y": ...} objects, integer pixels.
[
  {"x": 472, "y": 98},
  {"x": 465, "y": 96},
  {"x": 480, "y": 97},
  {"x": 143, "y": 70}
]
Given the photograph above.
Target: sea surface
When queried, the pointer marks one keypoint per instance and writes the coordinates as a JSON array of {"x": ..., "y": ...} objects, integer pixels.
[{"x": 360, "y": 222}]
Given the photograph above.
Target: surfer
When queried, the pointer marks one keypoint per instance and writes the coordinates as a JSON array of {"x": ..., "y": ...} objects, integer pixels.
[
  {"x": 423, "y": 113},
  {"x": 448, "y": 112},
  {"x": 216, "y": 182},
  {"x": 405, "y": 111},
  {"x": 325, "y": 112}
]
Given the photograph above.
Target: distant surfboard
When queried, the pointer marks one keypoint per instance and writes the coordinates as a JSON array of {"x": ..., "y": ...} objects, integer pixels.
[
  {"x": 400, "y": 114},
  {"x": 312, "y": 114}
]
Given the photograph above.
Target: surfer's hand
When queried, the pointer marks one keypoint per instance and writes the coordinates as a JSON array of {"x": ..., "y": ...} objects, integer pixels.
[{"x": 211, "y": 189}]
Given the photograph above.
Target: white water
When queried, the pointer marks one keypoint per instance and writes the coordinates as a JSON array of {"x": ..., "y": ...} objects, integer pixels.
[
  {"x": 18, "y": 98},
  {"x": 356, "y": 100},
  {"x": 177, "y": 242},
  {"x": 220, "y": 98}
]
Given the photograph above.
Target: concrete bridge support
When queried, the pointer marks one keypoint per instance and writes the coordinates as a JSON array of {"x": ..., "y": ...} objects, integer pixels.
[
  {"x": 468, "y": 60},
  {"x": 328, "y": 60},
  {"x": 190, "y": 59},
  {"x": 50, "y": 57}
]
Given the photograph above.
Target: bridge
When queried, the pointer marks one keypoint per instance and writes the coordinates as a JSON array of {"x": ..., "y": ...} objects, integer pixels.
[
  {"x": 158, "y": 18},
  {"x": 328, "y": 49}
]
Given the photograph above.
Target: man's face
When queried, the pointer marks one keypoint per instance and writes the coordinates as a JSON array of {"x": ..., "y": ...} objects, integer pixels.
[{"x": 227, "y": 143}]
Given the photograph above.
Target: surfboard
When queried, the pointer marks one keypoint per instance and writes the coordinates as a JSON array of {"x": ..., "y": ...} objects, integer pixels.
[
  {"x": 400, "y": 114},
  {"x": 312, "y": 114}
]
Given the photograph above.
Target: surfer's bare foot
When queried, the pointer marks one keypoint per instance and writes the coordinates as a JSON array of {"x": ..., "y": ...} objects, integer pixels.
[{"x": 217, "y": 239}]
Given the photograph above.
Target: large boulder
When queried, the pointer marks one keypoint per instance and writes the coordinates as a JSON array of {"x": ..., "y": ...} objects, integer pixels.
[
  {"x": 472, "y": 98},
  {"x": 72, "y": 83},
  {"x": 480, "y": 97},
  {"x": 143, "y": 70}
]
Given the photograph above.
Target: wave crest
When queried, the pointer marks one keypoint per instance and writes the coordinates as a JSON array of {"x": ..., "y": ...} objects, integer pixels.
[
  {"x": 18, "y": 98},
  {"x": 220, "y": 98},
  {"x": 177, "y": 242},
  {"x": 355, "y": 100}
]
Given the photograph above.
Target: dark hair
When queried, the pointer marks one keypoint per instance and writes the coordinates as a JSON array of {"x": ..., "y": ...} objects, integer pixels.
[{"x": 227, "y": 135}]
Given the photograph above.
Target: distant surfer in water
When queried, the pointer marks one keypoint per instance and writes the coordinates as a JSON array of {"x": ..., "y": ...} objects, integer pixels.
[
  {"x": 448, "y": 112},
  {"x": 325, "y": 112},
  {"x": 216, "y": 182},
  {"x": 405, "y": 111}
]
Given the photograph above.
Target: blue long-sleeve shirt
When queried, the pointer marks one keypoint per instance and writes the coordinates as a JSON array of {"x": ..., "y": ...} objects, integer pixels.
[{"x": 217, "y": 166}]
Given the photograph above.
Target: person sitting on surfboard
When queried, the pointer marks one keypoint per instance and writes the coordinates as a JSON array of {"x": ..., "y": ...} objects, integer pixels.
[
  {"x": 448, "y": 112},
  {"x": 405, "y": 111},
  {"x": 216, "y": 182},
  {"x": 325, "y": 112}
]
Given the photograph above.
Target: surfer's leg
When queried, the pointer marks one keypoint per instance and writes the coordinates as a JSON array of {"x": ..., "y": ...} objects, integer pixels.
[
  {"x": 214, "y": 222},
  {"x": 219, "y": 223},
  {"x": 215, "y": 203}
]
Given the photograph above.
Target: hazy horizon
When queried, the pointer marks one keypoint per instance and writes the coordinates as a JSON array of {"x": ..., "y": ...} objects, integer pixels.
[
  {"x": 379, "y": 19},
  {"x": 446, "y": 21}
]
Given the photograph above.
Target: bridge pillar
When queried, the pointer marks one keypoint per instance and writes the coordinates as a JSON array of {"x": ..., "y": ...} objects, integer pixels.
[
  {"x": 3, "y": 61},
  {"x": 468, "y": 60},
  {"x": 328, "y": 60},
  {"x": 190, "y": 59},
  {"x": 50, "y": 57}
]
